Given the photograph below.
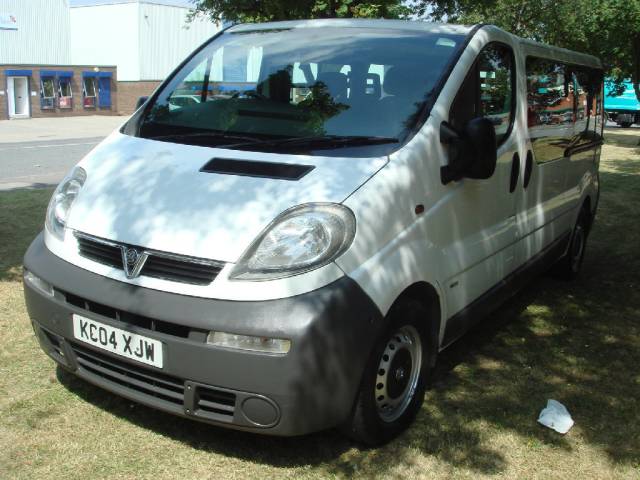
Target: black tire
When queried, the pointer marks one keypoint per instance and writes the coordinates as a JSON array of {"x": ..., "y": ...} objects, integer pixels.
[
  {"x": 625, "y": 124},
  {"x": 368, "y": 424},
  {"x": 569, "y": 266}
]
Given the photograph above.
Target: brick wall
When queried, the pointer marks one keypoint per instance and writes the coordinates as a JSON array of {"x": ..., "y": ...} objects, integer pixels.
[
  {"x": 76, "y": 88},
  {"x": 129, "y": 92}
]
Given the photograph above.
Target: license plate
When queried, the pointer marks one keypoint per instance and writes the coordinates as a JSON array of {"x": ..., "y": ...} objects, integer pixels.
[{"x": 118, "y": 341}]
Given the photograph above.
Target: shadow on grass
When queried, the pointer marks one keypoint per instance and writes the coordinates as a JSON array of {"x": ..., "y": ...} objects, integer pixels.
[
  {"x": 618, "y": 139},
  {"x": 21, "y": 218}
]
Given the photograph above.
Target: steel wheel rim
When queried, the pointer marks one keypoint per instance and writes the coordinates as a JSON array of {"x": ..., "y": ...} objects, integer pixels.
[
  {"x": 578, "y": 248},
  {"x": 398, "y": 373}
]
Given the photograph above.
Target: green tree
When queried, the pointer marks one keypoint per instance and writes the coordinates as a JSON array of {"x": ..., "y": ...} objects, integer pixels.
[
  {"x": 608, "y": 29},
  {"x": 273, "y": 10}
]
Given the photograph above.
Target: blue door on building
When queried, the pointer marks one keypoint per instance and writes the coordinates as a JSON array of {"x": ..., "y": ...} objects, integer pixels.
[{"x": 104, "y": 92}]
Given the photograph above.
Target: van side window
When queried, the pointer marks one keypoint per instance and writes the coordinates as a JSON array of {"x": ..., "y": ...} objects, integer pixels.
[
  {"x": 587, "y": 84},
  {"x": 599, "y": 110},
  {"x": 550, "y": 108},
  {"x": 487, "y": 91},
  {"x": 593, "y": 80}
]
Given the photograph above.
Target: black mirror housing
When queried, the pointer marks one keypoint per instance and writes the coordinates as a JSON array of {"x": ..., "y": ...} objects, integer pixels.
[
  {"x": 141, "y": 101},
  {"x": 474, "y": 151},
  {"x": 481, "y": 133}
]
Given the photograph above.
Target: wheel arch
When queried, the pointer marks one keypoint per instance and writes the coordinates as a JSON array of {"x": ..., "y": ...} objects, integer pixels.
[{"x": 427, "y": 295}]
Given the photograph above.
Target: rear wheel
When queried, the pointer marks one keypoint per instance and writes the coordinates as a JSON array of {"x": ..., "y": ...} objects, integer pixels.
[
  {"x": 625, "y": 124},
  {"x": 395, "y": 378},
  {"x": 569, "y": 266}
]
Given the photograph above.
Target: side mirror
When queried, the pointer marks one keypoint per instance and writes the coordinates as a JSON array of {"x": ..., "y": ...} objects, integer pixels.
[
  {"x": 141, "y": 101},
  {"x": 474, "y": 153}
]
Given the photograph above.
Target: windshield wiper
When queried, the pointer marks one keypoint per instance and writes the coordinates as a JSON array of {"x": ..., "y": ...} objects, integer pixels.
[
  {"x": 246, "y": 141},
  {"x": 212, "y": 135},
  {"x": 319, "y": 141}
]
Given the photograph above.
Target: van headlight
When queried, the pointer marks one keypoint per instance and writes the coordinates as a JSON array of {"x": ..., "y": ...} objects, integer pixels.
[
  {"x": 302, "y": 238},
  {"x": 62, "y": 200}
]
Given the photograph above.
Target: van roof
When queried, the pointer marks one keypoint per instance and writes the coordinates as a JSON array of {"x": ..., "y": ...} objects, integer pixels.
[
  {"x": 530, "y": 47},
  {"x": 537, "y": 49},
  {"x": 445, "y": 28}
]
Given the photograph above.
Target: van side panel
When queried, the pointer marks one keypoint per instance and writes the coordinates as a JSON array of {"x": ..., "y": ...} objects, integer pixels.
[
  {"x": 461, "y": 244},
  {"x": 467, "y": 240},
  {"x": 392, "y": 249},
  {"x": 560, "y": 180},
  {"x": 481, "y": 239}
]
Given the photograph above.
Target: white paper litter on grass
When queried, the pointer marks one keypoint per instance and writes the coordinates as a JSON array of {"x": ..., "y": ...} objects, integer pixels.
[{"x": 556, "y": 416}]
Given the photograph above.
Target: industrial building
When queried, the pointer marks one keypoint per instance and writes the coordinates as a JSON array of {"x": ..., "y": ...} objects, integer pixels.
[{"x": 90, "y": 56}]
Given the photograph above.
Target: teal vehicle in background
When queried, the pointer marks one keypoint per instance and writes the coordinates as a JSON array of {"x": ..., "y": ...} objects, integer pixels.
[{"x": 623, "y": 109}]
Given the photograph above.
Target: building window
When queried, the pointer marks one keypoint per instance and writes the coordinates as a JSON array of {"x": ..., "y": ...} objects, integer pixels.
[
  {"x": 65, "y": 93},
  {"x": 89, "y": 92},
  {"x": 47, "y": 93}
]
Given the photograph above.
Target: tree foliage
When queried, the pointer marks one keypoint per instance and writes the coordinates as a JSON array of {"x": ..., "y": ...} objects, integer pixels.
[
  {"x": 608, "y": 29},
  {"x": 273, "y": 10}
]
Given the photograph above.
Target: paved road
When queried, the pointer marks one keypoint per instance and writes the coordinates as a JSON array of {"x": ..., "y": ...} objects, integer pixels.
[{"x": 42, "y": 163}]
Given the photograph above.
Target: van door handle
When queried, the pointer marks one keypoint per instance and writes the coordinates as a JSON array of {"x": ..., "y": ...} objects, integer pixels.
[
  {"x": 528, "y": 167},
  {"x": 515, "y": 172}
]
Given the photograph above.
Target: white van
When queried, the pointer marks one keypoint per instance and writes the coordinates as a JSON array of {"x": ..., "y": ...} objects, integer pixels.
[{"x": 337, "y": 202}]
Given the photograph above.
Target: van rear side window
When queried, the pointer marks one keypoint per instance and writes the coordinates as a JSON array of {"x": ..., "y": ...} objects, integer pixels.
[{"x": 561, "y": 107}]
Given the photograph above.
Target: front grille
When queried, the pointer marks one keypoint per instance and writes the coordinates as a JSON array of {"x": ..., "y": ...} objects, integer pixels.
[
  {"x": 166, "y": 266},
  {"x": 128, "y": 318},
  {"x": 55, "y": 343},
  {"x": 179, "y": 271},
  {"x": 146, "y": 382},
  {"x": 215, "y": 402},
  {"x": 209, "y": 402},
  {"x": 100, "y": 252}
]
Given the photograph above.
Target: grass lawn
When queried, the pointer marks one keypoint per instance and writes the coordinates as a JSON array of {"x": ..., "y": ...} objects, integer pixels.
[{"x": 576, "y": 342}]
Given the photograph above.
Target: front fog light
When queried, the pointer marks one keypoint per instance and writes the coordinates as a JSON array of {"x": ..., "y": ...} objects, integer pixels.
[
  {"x": 38, "y": 283},
  {"x": 246, "y": 342}
]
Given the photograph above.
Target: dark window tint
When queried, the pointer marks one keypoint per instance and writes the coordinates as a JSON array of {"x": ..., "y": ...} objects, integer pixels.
[
  {"x": 588, "y": 84},
  {"x": 550, "y": 108},
  {"x": 549, "y": 93},
  {"x": 487, "y": 91},
  {"x": 599, "y": 123},
  {"x": 564, "y": 107},
  {"x": 599, "y": 95}
]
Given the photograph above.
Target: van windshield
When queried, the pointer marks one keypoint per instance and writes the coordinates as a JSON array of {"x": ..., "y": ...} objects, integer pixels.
[{"x": 302, "y": 89}]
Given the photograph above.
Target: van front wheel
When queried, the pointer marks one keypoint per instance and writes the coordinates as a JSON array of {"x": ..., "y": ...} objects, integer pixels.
[{"x": 395, "y": 378}]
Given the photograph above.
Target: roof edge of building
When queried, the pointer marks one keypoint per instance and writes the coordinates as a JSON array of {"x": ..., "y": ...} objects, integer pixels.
[
  {"x": 60, "y": 65},
  {"x": 100, "y": 3}
]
